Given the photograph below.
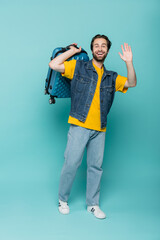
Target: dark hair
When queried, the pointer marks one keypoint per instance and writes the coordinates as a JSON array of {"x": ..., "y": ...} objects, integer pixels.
[{"x": 101, "y": 36}]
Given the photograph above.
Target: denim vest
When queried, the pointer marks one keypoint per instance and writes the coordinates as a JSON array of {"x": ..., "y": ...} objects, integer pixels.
[{"x": 83, "y": 87}]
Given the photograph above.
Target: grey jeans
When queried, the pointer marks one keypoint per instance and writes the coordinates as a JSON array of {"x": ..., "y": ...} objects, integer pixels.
[{"x": 78, "y": 139}]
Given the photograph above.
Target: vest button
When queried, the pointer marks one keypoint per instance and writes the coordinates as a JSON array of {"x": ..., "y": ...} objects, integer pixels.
[
  {"x": 101, "y": 101},
  {"x": 101, "y": 89}
]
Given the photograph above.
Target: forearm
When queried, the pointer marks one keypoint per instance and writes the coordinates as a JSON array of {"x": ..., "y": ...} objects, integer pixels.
[
  {"x": 131, "y": 75},
  {"x": 58, "y": 61}
]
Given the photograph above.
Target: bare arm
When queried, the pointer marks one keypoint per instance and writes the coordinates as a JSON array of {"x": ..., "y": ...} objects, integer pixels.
[
  {"x": 57, "y": 63},
  {"x": 127, "y": 58}
]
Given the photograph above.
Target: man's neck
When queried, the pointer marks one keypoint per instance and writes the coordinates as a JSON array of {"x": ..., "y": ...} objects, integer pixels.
[{"x": 98, "y": 64}]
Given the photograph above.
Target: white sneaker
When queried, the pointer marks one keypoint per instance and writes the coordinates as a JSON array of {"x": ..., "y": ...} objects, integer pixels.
[
  {"x": 63, "y": 207},
  {"x": 96, "y": 211}
]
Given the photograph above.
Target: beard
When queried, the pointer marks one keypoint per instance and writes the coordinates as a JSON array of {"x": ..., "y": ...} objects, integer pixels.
[{"x": 99, "y": 58}]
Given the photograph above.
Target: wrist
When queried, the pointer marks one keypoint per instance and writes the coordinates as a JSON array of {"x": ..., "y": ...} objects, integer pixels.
[{"x": 129, "y": 63}]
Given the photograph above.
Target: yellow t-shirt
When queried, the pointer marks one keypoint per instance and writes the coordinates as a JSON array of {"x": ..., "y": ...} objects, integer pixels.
[{"x": 93, "y": 120}]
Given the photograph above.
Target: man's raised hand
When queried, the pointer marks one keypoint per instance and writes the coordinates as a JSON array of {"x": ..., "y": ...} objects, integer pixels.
[{"x": 127, "y": 53}]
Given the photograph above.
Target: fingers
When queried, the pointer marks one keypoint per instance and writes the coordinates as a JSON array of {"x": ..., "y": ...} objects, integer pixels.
[
  {"x": 75, "y": 45},
  {"x": 122, "y": 49},
  {"x": 130, "y": 49},
  {"x": 127, "y": 47},
  {"x": 120, "y": 55},
  {"x": 78, "y": 48}
]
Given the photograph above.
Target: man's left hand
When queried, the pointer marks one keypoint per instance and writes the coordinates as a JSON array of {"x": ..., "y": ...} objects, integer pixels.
[{"x": 127, "y": 53}]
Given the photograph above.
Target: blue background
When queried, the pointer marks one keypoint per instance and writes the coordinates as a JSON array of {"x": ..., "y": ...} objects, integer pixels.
[{"x": 33, "y": 133}]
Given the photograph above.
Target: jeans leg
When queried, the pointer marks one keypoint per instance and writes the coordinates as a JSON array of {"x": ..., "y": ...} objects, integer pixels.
[
  {"x": 95, "y": 152},
  {"x": 77, "y": 140}
]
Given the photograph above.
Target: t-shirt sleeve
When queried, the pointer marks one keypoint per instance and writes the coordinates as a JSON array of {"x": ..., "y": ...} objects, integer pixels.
[
  {"x": 69, "y": 68},
  {"x": 119, "y": 85}
]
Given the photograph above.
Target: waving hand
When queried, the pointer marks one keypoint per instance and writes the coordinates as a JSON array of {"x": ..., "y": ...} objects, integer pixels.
[{"x": 127, "y": 53}]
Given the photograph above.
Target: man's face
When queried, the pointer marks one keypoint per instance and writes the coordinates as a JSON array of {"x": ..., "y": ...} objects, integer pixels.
[{"x": 100, "y": 49}]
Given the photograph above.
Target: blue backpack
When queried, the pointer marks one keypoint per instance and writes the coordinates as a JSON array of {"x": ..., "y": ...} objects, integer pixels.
[{"x": 56, "y": 85}]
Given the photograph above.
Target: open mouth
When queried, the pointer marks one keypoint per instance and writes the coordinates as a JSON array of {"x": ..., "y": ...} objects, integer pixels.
[{"x": 100, "y": 54}]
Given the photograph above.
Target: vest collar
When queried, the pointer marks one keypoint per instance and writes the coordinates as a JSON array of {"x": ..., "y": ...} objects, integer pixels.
[{"x": 90, "y": 66}]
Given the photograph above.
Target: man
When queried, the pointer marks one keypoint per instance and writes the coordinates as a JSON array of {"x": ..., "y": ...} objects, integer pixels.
[{"x": 92, "y": 94}]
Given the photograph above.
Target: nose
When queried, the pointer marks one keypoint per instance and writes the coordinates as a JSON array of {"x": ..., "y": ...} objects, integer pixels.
[{"x": 99, "y": 48}]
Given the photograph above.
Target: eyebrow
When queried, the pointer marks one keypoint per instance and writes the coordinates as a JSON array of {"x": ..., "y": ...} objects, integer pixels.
[{"x": 102, "y": 44}]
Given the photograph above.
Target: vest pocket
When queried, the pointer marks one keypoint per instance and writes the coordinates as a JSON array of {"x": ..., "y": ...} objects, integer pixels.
[
  {"x": 109, "y": 90},
  {"x": 80, "y": 84}
]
